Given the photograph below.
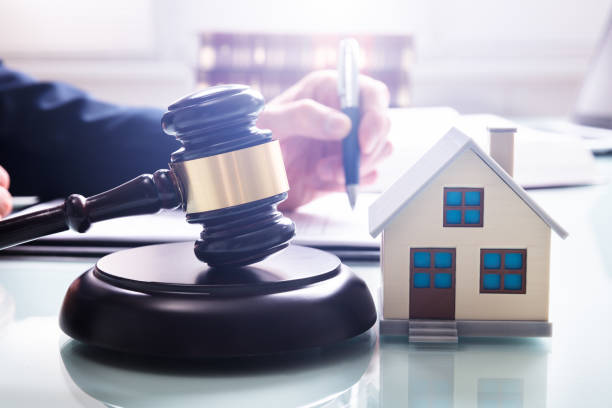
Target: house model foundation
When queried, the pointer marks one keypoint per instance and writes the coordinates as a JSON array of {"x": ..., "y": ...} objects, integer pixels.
[{"x": 465, "y": 251}]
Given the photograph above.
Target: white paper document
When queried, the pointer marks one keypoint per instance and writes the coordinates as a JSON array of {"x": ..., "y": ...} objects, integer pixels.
[
  {"x": 327, "y": 222},
  {"x": 542, "y": 159},
  {"x": 330, "y": 222}
]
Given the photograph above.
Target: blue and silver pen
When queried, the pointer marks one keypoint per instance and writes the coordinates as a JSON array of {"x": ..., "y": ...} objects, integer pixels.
[{"x": 348, "y": 90}]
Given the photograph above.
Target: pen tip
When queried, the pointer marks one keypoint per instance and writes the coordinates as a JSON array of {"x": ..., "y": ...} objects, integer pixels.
[{"x": 351, "y": 191}]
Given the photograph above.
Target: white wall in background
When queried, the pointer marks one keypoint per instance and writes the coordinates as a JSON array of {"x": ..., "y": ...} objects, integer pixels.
[
  {"x": 508, "y": 57},
  {"x": 110, "y": 48},
  {"x": 72, "y": 28},
  {"x": 512, "y": 57}
]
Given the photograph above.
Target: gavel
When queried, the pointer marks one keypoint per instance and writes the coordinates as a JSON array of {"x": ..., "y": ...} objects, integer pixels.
[{"x": 228, "y": 176}]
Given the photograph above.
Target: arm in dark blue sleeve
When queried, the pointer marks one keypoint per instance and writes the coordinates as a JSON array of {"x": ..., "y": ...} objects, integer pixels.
[{"x": 56, "y": 140}]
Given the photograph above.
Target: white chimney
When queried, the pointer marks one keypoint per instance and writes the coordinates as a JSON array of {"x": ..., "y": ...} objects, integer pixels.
[{"x": 502, "y": 147}]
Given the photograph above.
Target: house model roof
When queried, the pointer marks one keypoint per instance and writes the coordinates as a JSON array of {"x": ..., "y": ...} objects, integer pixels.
[{"x": 409, "y": 185}]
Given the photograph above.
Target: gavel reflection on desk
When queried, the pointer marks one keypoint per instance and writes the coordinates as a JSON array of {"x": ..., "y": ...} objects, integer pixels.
[{"x": 228, "y": 176}]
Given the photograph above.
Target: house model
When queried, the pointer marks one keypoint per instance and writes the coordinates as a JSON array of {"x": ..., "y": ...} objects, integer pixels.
[{"x": 465, "y": 251}]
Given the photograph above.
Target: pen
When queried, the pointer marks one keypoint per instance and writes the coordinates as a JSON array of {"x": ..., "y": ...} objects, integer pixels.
[{"x": 348, "y": 91}]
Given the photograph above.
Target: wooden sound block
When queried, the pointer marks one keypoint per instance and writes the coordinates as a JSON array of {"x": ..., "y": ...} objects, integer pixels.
[{"x": 161, "y": 300}]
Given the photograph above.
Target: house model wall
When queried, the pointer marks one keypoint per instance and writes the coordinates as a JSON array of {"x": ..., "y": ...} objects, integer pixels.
[{"x": 462, "y": 242}]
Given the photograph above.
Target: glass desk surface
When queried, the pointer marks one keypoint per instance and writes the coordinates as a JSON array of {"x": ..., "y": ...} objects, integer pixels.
[{"x": 40, "y": 366}]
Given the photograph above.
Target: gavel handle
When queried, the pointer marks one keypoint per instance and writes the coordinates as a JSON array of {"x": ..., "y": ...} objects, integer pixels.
[{"x": 145, "y": 194}]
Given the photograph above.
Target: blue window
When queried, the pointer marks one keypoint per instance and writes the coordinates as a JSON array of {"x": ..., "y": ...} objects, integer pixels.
[
  {"x": 432, "y": 268},
  {"x": 422, "y": 260},
  {"x": 454, "y": 198},
  {"x": 491, "y": 281},
  {"x": 421, "y": 280},
  {"x": 513, "y": 260},
  {"x": 472, "y": 198},
  {"x": 513, "y": 281},
  {"x": 453, "y": 217},
  {"x": 503, "y": 270},
  {"x": 443, "y": 280},
  {"x": 472, "y": 216},
  {"x": 443, "y": 259},
  {"x": 492, "y": 260},
  {"x": 463, "y": 207}
]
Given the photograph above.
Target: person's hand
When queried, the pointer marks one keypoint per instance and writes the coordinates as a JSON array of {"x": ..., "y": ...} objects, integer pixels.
[
  {"x": 307, "y": 121},
  {"x": 6, "y": 201}
]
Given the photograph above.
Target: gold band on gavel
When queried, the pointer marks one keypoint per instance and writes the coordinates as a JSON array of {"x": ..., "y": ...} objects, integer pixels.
[{"x": 232, "y": 178}]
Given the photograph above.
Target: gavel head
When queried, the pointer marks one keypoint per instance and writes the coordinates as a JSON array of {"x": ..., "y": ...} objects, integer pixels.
[{"x": 230, "y": 174}]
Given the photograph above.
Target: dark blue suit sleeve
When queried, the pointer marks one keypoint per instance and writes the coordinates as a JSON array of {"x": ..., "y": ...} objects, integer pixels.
[{"x": 56, "y": 140}]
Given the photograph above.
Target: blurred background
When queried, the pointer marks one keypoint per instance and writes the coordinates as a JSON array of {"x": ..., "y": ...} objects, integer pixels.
[{"x": 509, "y": 57}]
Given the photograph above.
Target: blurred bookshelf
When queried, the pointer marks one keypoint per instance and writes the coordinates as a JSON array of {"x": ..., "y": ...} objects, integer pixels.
[{"x": 273, "y": 62}]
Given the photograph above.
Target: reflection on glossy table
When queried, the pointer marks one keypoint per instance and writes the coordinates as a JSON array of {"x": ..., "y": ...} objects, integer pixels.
[{"x": 40, "y": 366}]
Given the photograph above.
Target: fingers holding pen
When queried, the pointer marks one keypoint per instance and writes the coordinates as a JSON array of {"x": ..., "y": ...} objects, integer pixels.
[
  {"x": 339, "y": 186},
  {"x": 5, "y": 180},
  {"x": 6, "y": 201},
  {"x": 373, "y": 130},
  {"x": 305, "y": 118},
  {"x": 331, "y": 168}
]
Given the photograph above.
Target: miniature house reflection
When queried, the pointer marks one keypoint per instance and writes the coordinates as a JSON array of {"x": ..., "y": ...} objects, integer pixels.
[
  {"x": 7, "y": 308},
  {"x": 477, "y": 373},
  {"x": 331, "y": 376}
]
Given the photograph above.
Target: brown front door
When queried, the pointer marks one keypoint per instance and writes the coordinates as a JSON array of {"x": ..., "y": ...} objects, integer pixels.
[{"x": 432, "y": 283}]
